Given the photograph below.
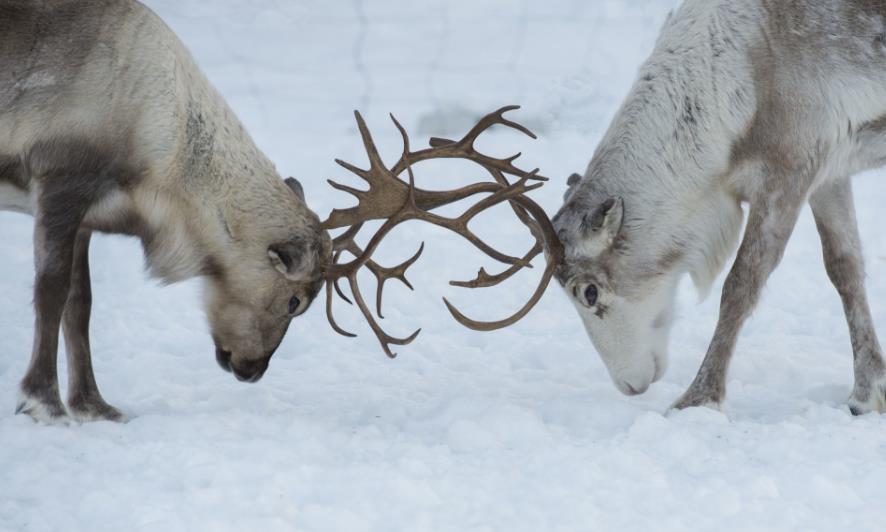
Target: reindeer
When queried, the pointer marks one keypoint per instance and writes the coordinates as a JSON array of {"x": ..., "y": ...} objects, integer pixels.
[
  {"x": 763, "y": 103},
  {"x": 107, "y": 124}
]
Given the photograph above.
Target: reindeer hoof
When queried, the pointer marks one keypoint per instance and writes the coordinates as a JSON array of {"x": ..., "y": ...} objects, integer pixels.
[
  {"x": 46, "y": 410},
  {"x": 94, "y": 408},
  {"x": 869, "y": 398},
  {"x": 692, "y": 399}
]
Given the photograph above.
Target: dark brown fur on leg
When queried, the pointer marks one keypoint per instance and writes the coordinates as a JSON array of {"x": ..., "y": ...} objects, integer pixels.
[
  {"x": 39, "y": 394},
  {"x": 69, "y": 176},
  {"x": 85, "y": 403}
]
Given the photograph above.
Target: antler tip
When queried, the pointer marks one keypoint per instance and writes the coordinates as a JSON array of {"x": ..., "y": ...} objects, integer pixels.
[
  {"x": 437, "y": 142},
  {"x": 412, "y": 336}
]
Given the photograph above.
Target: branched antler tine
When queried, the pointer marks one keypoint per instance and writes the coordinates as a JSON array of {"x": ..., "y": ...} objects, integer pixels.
[
  {"x": 521, "y": 213},
  {"x": 405, "y": 157},
  {"x": 405, "y": 265},
  {"x": 525, "y": 219},
  {"x": 353, "y": 169},
  {"x": 460, "y": 227},
  {"x": 334, "y": 283},
  {"x": 518, "y": 188},
  {"x": 371, "y": 151},
  {"x": 384, "y": 338},
  {"x": 499, "y": 176},
  {"x": 484, "y": 279},
  {"x": 343, "y": 241},
  {"x": 382, "y": 273},
  {"x": 493, "y": 118},
  {"x": 403, "y": 133},
  {"x": 340, "y": 292},
  {"x": 517, "y": 316},
  {"x": 344, "y": 188},
  {"x": 519, "y": 127},
  {"x": 378, "y": 269},
  {"x": 504, "y": 165},
  {"x": 436, "y": 142},
  {"x": 477, "y": 282},
  {"x": 485, "y": 123},
  {"x": 398, "y": 272},
  {"x": 487, "y": 249},
  {"x": 329, "y": 315},
  {"x": 546, "y": 235},
  {"x": 379, "y": 287}
]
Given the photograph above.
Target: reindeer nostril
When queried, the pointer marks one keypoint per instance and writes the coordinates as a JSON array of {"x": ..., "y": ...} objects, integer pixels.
[{"x": 223, "y": 358}]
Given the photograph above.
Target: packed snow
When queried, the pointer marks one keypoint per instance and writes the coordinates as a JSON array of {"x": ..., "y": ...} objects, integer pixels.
[{"x": 514, "y": 430}]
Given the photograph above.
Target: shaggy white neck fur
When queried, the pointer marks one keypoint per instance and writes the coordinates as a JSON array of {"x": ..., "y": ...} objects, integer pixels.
[{"x": 668, "y": 149}]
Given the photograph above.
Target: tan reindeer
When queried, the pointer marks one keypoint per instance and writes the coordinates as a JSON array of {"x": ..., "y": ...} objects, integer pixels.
[{"x": 107, "y": 124}]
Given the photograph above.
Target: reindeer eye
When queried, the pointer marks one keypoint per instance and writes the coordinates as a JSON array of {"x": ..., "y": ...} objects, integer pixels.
[
  {"x": 294, "y": 303},
  {"x": 591, "y": 295}
]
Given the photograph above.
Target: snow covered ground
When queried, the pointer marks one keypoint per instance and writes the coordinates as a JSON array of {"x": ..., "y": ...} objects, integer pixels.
[{"x": 514, "y": 430}]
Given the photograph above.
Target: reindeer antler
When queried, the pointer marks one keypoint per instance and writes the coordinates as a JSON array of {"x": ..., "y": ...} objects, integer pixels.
[{"x": 394, "y": 200}]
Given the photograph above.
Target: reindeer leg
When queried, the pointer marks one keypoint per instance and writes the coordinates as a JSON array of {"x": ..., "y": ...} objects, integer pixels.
[
  {"x": 53, "y": 253},
  {"x": 771, "y": 221},
  {"x": 834, "y": 213},
  {"x": 85, "y": 403}
]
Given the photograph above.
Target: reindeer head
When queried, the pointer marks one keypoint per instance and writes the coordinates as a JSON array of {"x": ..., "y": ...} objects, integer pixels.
[
  {"x": 626, "y": 304},
  {"x": 271, "y": 277}
]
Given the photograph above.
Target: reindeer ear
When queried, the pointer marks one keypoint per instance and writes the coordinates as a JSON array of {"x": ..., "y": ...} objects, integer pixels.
[
  {"x": 279, "y": 260},
  {"x": 614, "y": 218},
  {"x": 296, "y": 187},
  {"x": 606, "y": 219},
  {"x": 293, "y": 259},
  {"x": 571, "y": 182}
]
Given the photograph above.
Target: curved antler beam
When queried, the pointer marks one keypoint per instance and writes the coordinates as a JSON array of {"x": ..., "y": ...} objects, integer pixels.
[{"x": 517, "y": 316}]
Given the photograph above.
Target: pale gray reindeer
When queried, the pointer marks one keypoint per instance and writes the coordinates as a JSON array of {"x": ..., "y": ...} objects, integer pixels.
[
  {"x": 766, "y": 103},
  {"x": 107, "y": 124}
]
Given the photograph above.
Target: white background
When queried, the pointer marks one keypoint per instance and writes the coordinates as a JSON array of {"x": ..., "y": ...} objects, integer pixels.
[{"x": 512, "y": 430}]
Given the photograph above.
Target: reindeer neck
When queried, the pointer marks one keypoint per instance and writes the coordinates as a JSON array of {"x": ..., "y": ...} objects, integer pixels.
[
  {"x": 692, "y": 97},
  {"x": 667, "y": 152},
  {"x": 221, "y": 195}
]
